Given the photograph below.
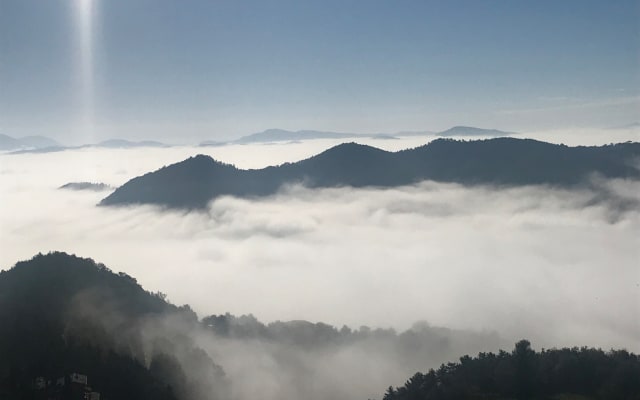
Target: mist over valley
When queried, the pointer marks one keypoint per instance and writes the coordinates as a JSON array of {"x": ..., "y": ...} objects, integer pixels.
[
  {"x": 222, "y": 200},
  {"x": 444, "y": 253}
]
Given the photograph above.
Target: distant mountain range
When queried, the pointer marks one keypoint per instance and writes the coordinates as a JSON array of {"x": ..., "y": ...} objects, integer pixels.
[
  {"x": 281, "y": 135},
  {"x": 41, "y": 144},
  {"x": 192, "y": 183},
  {"x": 8, "y": 143},
  {"x": 471, "y": 131},
  {"x": 106, "y": 144}
]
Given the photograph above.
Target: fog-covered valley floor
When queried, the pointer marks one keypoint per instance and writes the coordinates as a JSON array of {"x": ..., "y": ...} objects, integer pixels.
[{"x": 557, "y": 266}]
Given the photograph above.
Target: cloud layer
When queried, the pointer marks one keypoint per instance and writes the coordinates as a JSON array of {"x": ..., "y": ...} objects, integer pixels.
[{"x": 558, "y": 267}]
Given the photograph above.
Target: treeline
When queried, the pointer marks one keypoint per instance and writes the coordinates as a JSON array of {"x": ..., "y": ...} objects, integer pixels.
[
  {"x": 296, "y": 333},
  {"x": 415, "y": 344},
  {"x": 525, "y": 374}
]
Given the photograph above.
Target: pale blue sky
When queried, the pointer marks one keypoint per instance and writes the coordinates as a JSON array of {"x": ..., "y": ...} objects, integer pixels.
[{"x": 180, "y": 70}]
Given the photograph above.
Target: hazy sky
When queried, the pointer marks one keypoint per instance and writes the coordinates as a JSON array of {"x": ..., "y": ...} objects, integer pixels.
[{"x": 183, "y": 71}]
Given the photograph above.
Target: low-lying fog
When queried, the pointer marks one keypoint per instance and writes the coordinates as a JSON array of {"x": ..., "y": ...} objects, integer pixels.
[{"x": 555, "y": 266}]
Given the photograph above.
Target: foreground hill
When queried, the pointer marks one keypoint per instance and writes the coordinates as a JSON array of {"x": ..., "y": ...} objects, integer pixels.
[
  {"x": 524, "y": 374},
  {"x": 502, "y": 161},
  {"x": 60, "y": 314}
]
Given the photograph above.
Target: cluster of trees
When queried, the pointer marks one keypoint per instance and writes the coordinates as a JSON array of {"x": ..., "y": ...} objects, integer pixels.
[
  {"x": 421, "y": 341},
  {"x": 295, "y": 333},
  {"x": 526, "y": 374}
]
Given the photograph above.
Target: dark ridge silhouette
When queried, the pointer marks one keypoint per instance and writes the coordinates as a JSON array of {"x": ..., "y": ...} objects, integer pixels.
[
  {"x": 192, "y": 183},
  {"x": 575, "y": 373},
  {"x": 187, "y": 183},
  {"x": 61, "y": 314}
]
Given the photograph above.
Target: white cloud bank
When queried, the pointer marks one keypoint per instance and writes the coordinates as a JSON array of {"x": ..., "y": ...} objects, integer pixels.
[{"x": 558, "y": 267}]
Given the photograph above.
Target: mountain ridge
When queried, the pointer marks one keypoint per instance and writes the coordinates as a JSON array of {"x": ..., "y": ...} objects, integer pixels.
[
  {"x": 192, "y": 183},
  {"x": 283, "y": 135}
]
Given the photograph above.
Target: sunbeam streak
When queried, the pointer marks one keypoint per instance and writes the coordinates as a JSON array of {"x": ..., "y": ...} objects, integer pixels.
[{"x": 85, "y": 13}]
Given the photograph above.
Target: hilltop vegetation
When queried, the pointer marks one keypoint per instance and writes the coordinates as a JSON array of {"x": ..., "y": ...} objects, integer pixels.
[
  {"x": 61, "y": 314},
  {"x": 576, "y": 373}
]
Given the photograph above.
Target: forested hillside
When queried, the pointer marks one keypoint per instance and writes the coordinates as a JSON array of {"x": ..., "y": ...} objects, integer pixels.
[
  {"x": 192, "y": 183},
  {"x": 575, "y": 373}
]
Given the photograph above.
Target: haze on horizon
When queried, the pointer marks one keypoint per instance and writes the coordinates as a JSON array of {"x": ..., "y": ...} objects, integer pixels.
[{"x": 81, "y": 71}]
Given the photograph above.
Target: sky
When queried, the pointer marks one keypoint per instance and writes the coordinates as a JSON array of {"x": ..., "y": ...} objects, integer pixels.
[{"x": 86, "y": 70}]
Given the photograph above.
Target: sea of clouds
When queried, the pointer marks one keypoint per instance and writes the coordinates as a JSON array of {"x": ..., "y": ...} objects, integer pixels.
[{"x": 559, "y": 267}]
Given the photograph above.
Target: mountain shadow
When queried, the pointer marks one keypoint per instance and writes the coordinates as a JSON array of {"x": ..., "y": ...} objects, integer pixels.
[{"x": 192, "y": 183}]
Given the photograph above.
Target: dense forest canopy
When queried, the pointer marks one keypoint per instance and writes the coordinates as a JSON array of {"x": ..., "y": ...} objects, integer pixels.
[{"x": 575, "y": 373}]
